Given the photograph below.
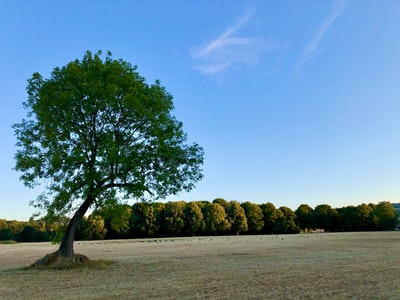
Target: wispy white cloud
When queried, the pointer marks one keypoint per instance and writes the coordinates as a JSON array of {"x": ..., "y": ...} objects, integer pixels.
[
  {"x": 231, "y": 49},
  {"x": 313, "y": 47}
]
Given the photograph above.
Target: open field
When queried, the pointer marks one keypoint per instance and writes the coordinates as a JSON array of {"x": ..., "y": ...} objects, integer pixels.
[{"x": 311, "y": 266}]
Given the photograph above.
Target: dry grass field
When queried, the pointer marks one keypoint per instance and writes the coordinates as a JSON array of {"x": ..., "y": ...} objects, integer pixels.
[{"x": 309, "y": 266}]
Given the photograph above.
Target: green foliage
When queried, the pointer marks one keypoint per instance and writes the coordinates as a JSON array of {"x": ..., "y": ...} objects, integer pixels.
[
  {"x": 348, "y": 218},
  {"x": 222, "y": 202},
  {"x": 364, "y": 219},
  {"x": 255, "y": 217},
  {"x": 305, "y": 217},
  {"x": 280, "y": 224},
  {"x": 143, "y": 220},
  {"x": 96, "y": 228},
  {"x": 27, "y": 234},
  {"x": 174, "y": 222},
  {"x": 326, "y": 217},
  {"x": 199, "y": 218},
  {"x": 32, "y": 231},
  {"x": 116, "y": 219},
  {"x": 269, "y": 213},
  {"x": 216, "y": 219},
  {"x": 385, "y": 216},
  {"x": 82, "y": 231},
  {"x": 6, "y": 234},
  {"x": 236, "y": 217},
  {"x": 285, "y": 221},
  {"x": 194, "y": 219},
  {"x": 58, "y": 235},
  {"x": 159, "y": 211},
  {"x": 95, "y": 130}
]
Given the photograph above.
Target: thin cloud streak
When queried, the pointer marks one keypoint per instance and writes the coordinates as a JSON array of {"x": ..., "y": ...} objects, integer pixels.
[
  {"x": 225, "y": 39},
  {"x": 230, "y": 50},
  {"x": 313, "y": 48}
]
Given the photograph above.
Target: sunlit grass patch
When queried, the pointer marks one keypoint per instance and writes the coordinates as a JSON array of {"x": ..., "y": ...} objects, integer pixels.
[{"x": 310, "y": 266}]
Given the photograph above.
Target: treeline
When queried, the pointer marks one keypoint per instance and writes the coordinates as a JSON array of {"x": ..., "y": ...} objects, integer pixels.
[
  {"x": 218, "y": 217},
  {"x": 32, "y": 231}
]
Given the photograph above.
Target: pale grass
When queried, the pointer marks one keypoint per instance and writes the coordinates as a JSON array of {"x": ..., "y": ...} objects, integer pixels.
[{"x": 309, "y": 266}]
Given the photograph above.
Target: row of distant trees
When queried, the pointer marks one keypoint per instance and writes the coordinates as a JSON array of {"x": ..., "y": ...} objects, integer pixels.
[{"x": 218, "y": 217}]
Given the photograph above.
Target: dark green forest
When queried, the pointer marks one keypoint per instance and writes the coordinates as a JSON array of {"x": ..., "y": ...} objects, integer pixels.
[{"x": 219, "y": 217}]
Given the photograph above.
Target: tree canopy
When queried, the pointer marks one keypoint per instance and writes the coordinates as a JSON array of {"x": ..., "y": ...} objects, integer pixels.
[
  {"x": 96, "y": 131},
  {"x": 157, "y": 219}
]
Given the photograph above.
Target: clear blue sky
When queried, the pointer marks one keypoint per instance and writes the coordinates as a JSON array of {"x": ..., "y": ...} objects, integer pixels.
[{"x": 293, "y": 101}]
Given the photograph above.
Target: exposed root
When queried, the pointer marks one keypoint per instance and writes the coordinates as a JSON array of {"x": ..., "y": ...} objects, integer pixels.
[{"x": 54, "y": 260}]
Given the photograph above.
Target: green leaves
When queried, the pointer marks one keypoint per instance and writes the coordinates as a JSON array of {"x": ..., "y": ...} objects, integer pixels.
[{"x": 95, "y": 125}]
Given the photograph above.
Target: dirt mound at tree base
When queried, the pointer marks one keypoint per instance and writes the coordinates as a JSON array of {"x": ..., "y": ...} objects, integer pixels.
[{"x": 54, "y": 260}]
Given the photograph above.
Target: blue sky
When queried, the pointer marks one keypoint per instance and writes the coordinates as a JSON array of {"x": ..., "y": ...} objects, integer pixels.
[{"x": 293, "y": 101}]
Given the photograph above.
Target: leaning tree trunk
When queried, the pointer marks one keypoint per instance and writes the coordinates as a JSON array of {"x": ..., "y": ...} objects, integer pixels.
[
  {"x": 65, "y": 255},
  {"x": 67, "y": 244}
]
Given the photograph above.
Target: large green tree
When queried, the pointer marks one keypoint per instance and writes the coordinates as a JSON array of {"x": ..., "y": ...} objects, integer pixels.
[
  {"x": 385, "y": 216},
  {"x": 174, "y": 222},
  {"x": 270, "y": 214},
  {"x": 143, "y": 220},
  {"x": 116, "y": 219},
  {"x": 237, "y": 217},
  {"x": 325, "y": 217},
  {"x": 365, "y": 217},
  {"x": 95, "y": 130},
  {"x": 285, "y": 221},
  {"x": 193, "y": 218},
  {"x": 254, "y": 216},
  {"x": 216, "y": 219},
  {"x": 348, "y": 218},
  {"x": 305, "y": 217}
]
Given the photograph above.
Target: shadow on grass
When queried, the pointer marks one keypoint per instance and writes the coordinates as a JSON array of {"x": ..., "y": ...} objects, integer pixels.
[{"x": 98, "y": 264}]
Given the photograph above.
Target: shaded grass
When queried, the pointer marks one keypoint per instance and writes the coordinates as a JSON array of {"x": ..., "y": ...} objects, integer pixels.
[
  {"x": 323, "y": 266},
  {"x": 8, "y": 242},
  {"x": 89, "y": 264}
]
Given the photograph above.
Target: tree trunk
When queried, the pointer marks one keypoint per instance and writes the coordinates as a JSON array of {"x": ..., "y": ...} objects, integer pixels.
[{"x": 67, "y": 244}]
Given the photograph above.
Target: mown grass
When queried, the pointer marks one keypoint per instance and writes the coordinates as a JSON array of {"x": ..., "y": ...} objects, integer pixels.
[{"x": 309, "y": 266}]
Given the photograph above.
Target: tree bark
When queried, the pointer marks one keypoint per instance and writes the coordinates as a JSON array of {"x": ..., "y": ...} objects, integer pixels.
[{"x": 67, "y": 244}]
